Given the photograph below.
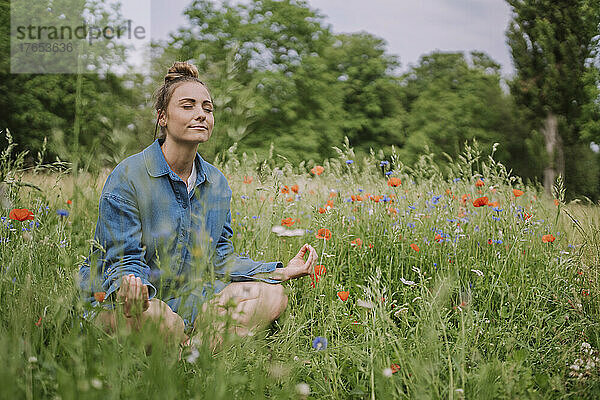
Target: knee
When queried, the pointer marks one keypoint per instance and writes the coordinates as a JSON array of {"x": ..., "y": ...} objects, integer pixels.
[{"x": 278, "y": 299}]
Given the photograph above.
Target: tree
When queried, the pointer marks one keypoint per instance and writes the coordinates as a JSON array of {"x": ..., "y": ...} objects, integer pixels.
[{"x": 553, "y": 44}]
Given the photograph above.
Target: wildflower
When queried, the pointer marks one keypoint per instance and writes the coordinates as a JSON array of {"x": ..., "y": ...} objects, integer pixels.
[
  {"x": 322, "y": 210},
  {"x": 289, "y": 199},
  {"x": 20, "y": 214},
  {"x": 287, "y": 222},
  {"x": 395, "y": 368},
  {"x": 464, "y": 198},
  {"x": 100, "y": 296},
  {"x": 556, "y": 202},
  {"x": 356, "y": 242},
  {"x": 332, "y": 194},
  {"x": 248, "y": 180},
  {"x": 39, "y": 322},
  {"x": 548, "y": 238},
  {"x": 319, "y": 343},
  {"x": 193, "y": 356},
  {"x": 323, "y": 233},
  {"x": 69, "y": 202},
  {"x": 343, "y": 295},
  {"x": 349, "y": 162},
  {"x": 414, "y": 247},
  {"x": 303, "y": 389},
  {"x": 364, "y": 304},
  {"x": 407, "y": 282},
  {"x": 62, "y": 213},
  {"x": 317, "y": 170},
  {"x": 389, "y": 173},
  {"x": 394, "y": 182},
  {"x": 518, "y": 192},
  {"x": 479, "y": 183},
  {"x": 481, "y": 201},
  {"x": 387, "y": 372},
  {"x": 320, "y": 270},
  {"x": 285, "y": 190},
  {"x": 438, "y": 238},
  {"x": 384, "y": 163},
  {"x": 294, "y": 188}
]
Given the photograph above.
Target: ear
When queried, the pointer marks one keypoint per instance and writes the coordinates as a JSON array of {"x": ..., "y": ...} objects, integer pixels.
[{"x": 162, "y": 119}]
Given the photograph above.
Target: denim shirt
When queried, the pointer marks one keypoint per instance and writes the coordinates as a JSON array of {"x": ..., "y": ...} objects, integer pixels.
[{"x": 149, "y": 225}]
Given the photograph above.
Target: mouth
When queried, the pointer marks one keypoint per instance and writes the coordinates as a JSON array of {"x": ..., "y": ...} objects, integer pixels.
[{"x": 200, "y": 127}]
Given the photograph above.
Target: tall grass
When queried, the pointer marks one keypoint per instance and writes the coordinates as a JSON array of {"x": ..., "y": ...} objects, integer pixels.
[{"x": 488, "y": 310}]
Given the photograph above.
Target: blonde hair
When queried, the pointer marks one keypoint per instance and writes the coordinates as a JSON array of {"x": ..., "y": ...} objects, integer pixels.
[{"x": 179, "y": 73}]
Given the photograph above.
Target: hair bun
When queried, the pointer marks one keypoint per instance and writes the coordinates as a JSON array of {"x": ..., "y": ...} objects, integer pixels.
[{"x": 181, "y": 69}]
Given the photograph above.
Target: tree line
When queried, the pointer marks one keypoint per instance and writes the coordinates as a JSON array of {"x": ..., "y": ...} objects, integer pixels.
[{"x": 279, "y": 75}]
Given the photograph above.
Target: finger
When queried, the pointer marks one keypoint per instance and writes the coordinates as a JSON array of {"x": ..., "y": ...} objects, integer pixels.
[
  {"x": 124, "y": 286},
  {"x": 137, "y": 292},
  {"x": 145, "y": 296},
  {"x": 302, "y": 251}
]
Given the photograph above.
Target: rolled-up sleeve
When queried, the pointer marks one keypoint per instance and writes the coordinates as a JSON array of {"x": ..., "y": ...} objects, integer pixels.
[
  {"x": 119, "y": 233},
  {"x": 239, "y": 268}
]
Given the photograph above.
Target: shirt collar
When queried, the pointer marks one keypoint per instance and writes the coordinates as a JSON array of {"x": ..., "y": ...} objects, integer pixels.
[{"x": 157, "y": 165}]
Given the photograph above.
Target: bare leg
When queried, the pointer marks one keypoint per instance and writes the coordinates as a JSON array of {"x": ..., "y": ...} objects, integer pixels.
[
  {"x": 251, "y": 305},
  {"x": 169, "y": 323}
]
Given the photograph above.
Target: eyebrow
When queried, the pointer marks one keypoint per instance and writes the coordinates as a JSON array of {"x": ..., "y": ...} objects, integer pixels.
[{"x": 192, "y": 100}]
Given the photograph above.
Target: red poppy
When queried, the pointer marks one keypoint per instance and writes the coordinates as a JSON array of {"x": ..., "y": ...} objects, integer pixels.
[
  {"x": 294, "y": 188},
  {"x": 287, "y": 221},
  {"x": 20, "y": 214},
  {"x": 518, "y": 192},
  {"x": 493, "y": 204},
  {"x": 438, "y": 237},
  {"x": 479, "y": 183},
  {"x": 323, "y": 233},
  {"x": 329, "y": 203},
  {"x": 69, "y": 202},
  {"x": 464, "y": 198},
  {"x": 248, "y": 180},
  {"x": 526, "y": 216},
  {"x": 39, "y": 322},
  {"x": 100, "y": 296},
  {"x": 548, "y": 238},
  {"x": 394, "y": 182},
  {"x": 289, "y": 199},
  {"x": 414, "y": 247},
  {"x": 357, "y": 242},
  {"x": 395, "y": 368},
  {"x": 481, "y": 201},
  {"x": 317, "y": 170},
  {"x": 322, "y": 210},
  {"x": 448, "y": 192},
  {"x": 371, "y": 245},
  {"x": 556, "y": 202},
  {"x": 343, "y": 295},
  {"x": 285, "y": 190},
  {"x": 490, "y": 241},
  {"x": 332, "y": 195},
  {"x": 392, "y": 211},
  {"x": 320, "y": 270}
]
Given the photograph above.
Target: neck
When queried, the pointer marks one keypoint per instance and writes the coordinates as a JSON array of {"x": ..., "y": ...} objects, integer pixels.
[{"x": 180, "y": 157}]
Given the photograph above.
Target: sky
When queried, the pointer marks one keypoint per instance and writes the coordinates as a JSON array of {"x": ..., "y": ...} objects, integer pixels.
[{"x": 411, "y": 28}]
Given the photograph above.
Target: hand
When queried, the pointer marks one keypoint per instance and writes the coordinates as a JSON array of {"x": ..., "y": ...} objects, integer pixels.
[
  {"x": 133, "y": 296},
  {"x": 297, "y": 267}
]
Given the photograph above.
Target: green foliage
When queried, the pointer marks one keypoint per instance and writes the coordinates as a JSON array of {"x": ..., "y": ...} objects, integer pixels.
[{"x": 460, "y": 318}]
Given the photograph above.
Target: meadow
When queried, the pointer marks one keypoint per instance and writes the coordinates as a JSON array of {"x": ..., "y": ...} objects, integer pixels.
[{"x": 424, "y": 289}]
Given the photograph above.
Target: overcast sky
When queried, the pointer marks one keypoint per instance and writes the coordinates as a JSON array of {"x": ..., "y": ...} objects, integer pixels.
[{"x": 411, "y": 28}]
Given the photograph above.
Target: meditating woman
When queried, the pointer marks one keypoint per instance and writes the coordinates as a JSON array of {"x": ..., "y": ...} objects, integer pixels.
[{"x": 164, "y": 231}]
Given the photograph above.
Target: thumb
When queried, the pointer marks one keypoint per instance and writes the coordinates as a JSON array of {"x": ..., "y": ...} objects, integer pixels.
[{"x": 302, "y": 251}]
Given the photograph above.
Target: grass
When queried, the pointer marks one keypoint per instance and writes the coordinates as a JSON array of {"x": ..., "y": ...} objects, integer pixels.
[{"x": 487, "y": 311}]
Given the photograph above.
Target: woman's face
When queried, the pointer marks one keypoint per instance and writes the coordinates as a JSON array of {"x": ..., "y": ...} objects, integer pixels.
[{"x": 189, "y": 117}]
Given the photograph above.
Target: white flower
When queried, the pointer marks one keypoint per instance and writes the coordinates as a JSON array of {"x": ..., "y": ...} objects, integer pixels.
[
  {"x": 478, "y": 272},
  {"x": 32, "y": 359},
  {"x": 96, "y": 383},
  {"x": 409, "y": 283},
  {"x": 387, "y": 372},
  {"x": 303, "y": 389},
  {"x": 193, "y": 356},
  {"x": 363, "y": 303}
]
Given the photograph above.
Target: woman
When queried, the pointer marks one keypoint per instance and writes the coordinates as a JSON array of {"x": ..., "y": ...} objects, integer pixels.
[{"x": 164, "y": 230}]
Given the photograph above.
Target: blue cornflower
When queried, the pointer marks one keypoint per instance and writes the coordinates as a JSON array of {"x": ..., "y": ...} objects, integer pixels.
[
  {"x": 319, "y": 343},
  {"x": 360, "y": 190},
  {"x": 498, "y": 241},
  {"x": 245, "y": 197},
  {"x": 349, "y": 162},
  {"x": 384, "y": 163},
  {"x": 255, "y": 216},
  {"x": 498, "y": 209},
  {"x": 412, "y": 207},
  {"x": 389, "y": 173},
  {"x": 411, "y": 225},
  {"x": 496, "y": 218},
  {"x": 62, "y": 213},
  {"x": 386, "y": 198},
  {"x": 456, "y": 180},
  {"x": 435, "y": 199}
]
